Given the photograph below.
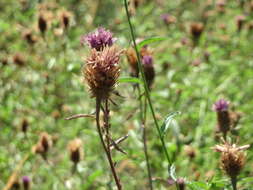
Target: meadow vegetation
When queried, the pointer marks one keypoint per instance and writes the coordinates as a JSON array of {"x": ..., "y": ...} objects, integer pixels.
[{"x": 116, "y": 94}]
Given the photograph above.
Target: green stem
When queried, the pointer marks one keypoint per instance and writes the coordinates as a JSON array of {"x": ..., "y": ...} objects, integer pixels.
[
  {"x": 143, "y": 110},
  {"x": 234, "y": 182},
  {"x": 146, "y": 87}
]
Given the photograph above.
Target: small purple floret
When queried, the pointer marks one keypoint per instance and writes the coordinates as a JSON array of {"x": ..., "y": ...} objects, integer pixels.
[
  {"x": 98, "y": 39},
  {"x": 26, "y": 179},
  {"x": 165, "y": 17},
  {"x": 147, "y": 60},
  {"x": 221, "y": 105}
]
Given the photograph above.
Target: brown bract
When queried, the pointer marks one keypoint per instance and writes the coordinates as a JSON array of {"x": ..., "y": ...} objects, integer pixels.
[
  {"x": 74, "y": 147},
  {"x": 232, "y": 158},
  {"x": 102, "y": 71}
]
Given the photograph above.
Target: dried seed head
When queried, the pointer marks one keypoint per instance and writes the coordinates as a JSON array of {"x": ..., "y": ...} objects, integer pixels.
[
  {"x": 65, "y": 18},
  {"x": 18, "y": 59},
  {"x": 43, "y": 145},
  {"x": 29, "y": 37},
  {"x": 42, "y": 23},
  {"x": 190, "y": 151},
  {"x": 98, "y": 39},
  {"x": 196, "y": 62},
  {"x": 133, "y": 62},
  {"x": 181, "y": 183},
  {"x": 4, "y": 61},
  {"x": 26, "y": 182},
  {"x": 196, "y": 30},
  {"x": 102, "y": 71},
  {"x": 149, "y": 71},
  {"x": 232, "y": 158},
  {"x": 15, "y": 185},
  {"x": 168, "y": 19},
  {"x": 240, "y": 20},
  {"x": 24, "y": 125},
  {"x": 74, "y": 147},
  {"x": 220, "y": 4}
]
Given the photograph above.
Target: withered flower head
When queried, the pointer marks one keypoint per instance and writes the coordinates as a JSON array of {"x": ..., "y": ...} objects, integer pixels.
[
  {"x": 98, "y": 39},
  {"x": 24, "y": 125},
  {"x": 42, "y": 23},
  {"x": 240, "y": 20},
  {"x": 220, "y": 4},
  {"x": 65, "y": 18},
  {"x": 232, "y": 158},
  {"x": 102, "y": 71},
  {"x": 29, "y": 37},
  {"x": 132, "y": 60},
  {"x": 190, "y": 151},
  {"x": 74, "y": 147},
  {"x": 168, "y": 19},
  {"x": 43, "y": 145},
  {"x": 19, "y": 59},
  {"x": 196, "y": 30}
]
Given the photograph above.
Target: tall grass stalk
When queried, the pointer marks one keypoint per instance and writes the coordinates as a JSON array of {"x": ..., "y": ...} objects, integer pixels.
[
  {"x": 143, "y": 110},
  {"x": 147, "y": 95}
]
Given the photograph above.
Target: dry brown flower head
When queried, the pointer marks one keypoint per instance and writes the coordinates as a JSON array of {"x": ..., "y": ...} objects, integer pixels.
[
  {"x": 75, "y": 151},
  {"x": 102, "y": 71},
  {"x": 232, "y": 158}
]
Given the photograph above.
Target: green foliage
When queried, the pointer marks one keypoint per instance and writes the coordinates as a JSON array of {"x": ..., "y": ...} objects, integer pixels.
[{"x": 190, "y": 77}]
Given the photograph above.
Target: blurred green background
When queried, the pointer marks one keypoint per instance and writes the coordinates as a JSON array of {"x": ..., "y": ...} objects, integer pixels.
[{"x": 41, "y": 82}]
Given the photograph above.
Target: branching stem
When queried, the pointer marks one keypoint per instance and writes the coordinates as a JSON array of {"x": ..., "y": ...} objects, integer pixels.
[{"x": 106, "y": 148}]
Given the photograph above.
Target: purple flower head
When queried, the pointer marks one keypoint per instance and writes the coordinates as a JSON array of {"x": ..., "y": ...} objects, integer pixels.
[
  {"x": 147, "y": 60},
  {"x": 98, "y": 39},
  {"x": 165, "y": 17},
  {"x": 26, "y": 182},
  {"x": 221, "y": 105},
  {"x": 26, "y": 179}
]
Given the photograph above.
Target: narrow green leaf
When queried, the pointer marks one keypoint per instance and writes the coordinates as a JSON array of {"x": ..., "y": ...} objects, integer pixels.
[
  {"x": 166, "y": 124},
  {"x": 130, "y": 79},
  {"x": 172, "y": 172},
  {"x": 149, "y": 41}
]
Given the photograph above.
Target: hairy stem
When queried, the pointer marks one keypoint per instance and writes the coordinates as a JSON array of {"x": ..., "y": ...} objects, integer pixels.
[{"x": 106, "y": 148}]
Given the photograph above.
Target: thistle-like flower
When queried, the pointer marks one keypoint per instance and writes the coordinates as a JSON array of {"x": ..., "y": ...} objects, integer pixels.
[
  {"x": 168, "y": 19},
  {"x": 223, "y": 118},
  {"x": 197, "y": 29},
  {"x": 133, "y": 61},
  {"x": 98, "y": 39},
  {"x": 74, "y": 147},
  {"x": 221, "y": 105},
  {"x": 26, "y": 182},
  {"x": 148, "y": 67},
  {"x": 232, "y": 159},
  {"x": 43, "y": 145},
  {"x": 102, "y": 71}
]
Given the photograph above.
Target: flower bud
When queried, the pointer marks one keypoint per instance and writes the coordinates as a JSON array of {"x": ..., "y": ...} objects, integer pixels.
[
  {"x": 74, "y": 147},
  {"x": 42, "y": 24},
  {"x": 221, "y": 108},
  {"x": 26, "y": 182}
]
